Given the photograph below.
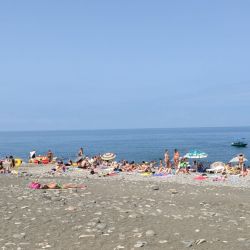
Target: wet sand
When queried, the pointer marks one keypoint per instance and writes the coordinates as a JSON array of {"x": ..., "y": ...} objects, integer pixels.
[{"x": 123, "y": 212}]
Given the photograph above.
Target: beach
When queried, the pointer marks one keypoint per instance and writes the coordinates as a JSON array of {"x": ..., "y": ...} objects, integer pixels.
[{"x": 125, "y": 211}]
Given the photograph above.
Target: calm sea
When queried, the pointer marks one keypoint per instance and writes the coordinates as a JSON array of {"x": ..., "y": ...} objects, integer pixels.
[{"x": 130, "y": 144}]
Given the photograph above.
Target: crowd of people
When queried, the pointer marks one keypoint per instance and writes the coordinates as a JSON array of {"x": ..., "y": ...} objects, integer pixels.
[
  {"x": 167, "y": 166},
  {"x": 178, "y": 165}
]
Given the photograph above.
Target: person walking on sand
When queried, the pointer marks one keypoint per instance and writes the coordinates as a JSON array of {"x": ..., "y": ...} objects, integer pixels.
[{"x": 176, "y": 158}]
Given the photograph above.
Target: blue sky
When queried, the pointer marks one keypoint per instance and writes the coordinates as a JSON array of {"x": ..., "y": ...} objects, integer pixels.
[{"x": 124, "y": 64}]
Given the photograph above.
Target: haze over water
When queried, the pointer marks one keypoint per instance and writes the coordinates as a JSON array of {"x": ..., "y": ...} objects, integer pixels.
[{"x": 129, "y": 144}]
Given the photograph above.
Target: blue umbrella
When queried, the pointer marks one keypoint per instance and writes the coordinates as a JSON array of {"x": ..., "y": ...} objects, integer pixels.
[{"x": 196, "y": 154}]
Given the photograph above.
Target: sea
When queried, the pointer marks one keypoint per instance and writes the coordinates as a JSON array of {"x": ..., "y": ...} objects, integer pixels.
[{"x": 129, "y": 144}]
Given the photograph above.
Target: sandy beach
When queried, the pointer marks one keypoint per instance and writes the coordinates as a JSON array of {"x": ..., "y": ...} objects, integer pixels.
[{"x": 123, "y": 212}]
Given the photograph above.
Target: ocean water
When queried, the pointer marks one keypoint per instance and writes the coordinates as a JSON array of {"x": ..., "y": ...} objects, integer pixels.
[{"x": 129, "y": 144}]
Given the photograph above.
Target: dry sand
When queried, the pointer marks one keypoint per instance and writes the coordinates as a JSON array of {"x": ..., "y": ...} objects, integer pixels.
[{"x": 123, "y": 212}]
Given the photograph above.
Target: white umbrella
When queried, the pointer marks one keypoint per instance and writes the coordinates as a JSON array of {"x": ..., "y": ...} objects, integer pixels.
[
  {"x": 236, "y": 160},
  {"x": 218, "y": 164},
  {"x": 216, "y": 167}
]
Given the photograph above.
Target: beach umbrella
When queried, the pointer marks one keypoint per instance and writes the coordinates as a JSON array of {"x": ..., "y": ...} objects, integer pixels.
[
  {"x": 236, "y": 160},
  {"x": 108, "y": 156},
  {"x": 218, "y": 164},
  {"x": 196, "y": 154},
  {"x": 216, "y": 167}
]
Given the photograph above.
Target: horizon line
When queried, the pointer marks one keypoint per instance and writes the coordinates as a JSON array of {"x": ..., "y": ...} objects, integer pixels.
[{"x": 102, "y": 129}]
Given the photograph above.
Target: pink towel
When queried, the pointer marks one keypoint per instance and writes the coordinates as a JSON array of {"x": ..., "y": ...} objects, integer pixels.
[{"x": 200, "y": 178}]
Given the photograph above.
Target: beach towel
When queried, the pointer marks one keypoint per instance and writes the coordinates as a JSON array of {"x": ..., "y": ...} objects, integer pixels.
[
  {"x": 160, "y": 174},
  {"x": 200, "y": 178},
  {"x": 146, "y": 174}
]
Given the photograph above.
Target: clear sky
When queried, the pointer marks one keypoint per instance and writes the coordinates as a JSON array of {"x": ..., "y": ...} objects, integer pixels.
[{"x": 124, "y": 64}]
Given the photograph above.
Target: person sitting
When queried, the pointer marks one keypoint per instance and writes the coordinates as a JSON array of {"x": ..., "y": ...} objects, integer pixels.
[
  {"x": 12, "y": 162},
  {"x": 60, "y": 167},
  {"x": 194, "y": 167},
  {"x": 183, "y": 166},
  {"x": 200, "y": 168},
  {"x": 161, "y": 168}
]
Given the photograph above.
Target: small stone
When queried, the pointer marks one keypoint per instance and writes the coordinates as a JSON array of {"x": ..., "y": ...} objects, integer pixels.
[
  {"x": 155, "y": 187},
  {"x": 101, "y": 226},
  {"x": 163, "y": 241},
  {"x": 86, "y": 236},
  {"x": 188, "y": 243},
  {"x": 76, "y": 228},
  {"x": 173, "y": 191},
  {"x": 19, "y": 236},
  {"x": 200, "y": 241},
  {"x": 119, "y": 247},
  {"x": 150, "y": 233},
  {"x": 70, "y": 208},
  {"x": 140, "y": 244},
  {"x": 46, "y": 246},
  {"x": 241, "y": 239},
  {"x": 133, "y": 216},
  {"x": 56, "y": 198}
]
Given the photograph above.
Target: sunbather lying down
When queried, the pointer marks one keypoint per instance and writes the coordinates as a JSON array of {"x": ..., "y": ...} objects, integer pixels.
[{"x": 54, "y": 185}]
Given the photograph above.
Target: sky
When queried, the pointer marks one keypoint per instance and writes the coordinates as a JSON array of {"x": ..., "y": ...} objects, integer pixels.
[{"x": 124, "y": 64}]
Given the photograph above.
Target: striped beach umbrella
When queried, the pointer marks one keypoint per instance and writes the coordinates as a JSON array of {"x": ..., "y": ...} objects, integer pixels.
[
  {"x": 196, "y": 154},
  {"x": 108, "y": 156}
]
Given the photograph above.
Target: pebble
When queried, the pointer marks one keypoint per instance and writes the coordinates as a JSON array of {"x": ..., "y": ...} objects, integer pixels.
[
  {"x": 200, "y": 241},
  {"x": 163, "y": 241},
  {"x": 70, "y": 208},
  {"x": 155, "y": 187},
  {"x": 150, "y": 233},
  {"x": 19, "y": 236},
  {"x": 241, "y": 239},
  {"x": 173, "y": 191},
  {"x": 140, "y": 244},
  {"x": 133, "y": 216},
  {"x": 101, "y": 226},
  {"x": 119, "y": 247},
  {"x": 188, "y": 243},
  {"x": 86, "y": 236}
]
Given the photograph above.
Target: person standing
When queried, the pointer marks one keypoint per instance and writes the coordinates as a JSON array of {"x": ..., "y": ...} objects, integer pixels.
[
  {"x": 50, "y": 156},
  {"x": 80, "y": 153},
  {"x": 167, "y": 158},
  {"x": 241, "y": 164},
  {"x": 176, "y": 158}
]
